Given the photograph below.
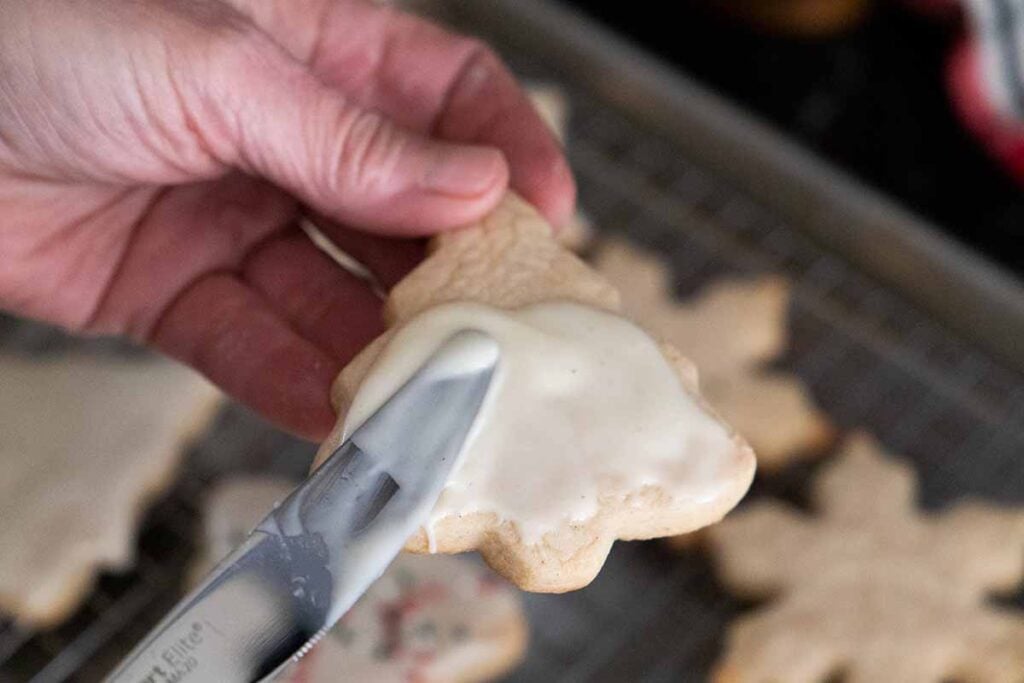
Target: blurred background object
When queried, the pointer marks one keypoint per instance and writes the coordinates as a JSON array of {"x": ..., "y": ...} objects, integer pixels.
[
  {"x": 808, "y": 18},
  {"x": 869, "y": 94}
]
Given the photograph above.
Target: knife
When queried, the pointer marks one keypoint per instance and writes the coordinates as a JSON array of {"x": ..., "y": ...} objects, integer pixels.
[{"x": 316, "y": 553}]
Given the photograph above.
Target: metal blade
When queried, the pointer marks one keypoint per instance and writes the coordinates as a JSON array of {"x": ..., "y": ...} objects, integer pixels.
[{"x": 312, "y": 557}]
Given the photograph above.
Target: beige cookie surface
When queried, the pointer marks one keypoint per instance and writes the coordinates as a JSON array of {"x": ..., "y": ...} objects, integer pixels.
[
  {"x": 729, "y": 330},
  {"x": 871, "y": 587},
  {"x": 84, "y": 442},
  {"x": 552, "y": 103},
  {"x": 510, "y": 262},
  {"x": 427, "y": 620}
]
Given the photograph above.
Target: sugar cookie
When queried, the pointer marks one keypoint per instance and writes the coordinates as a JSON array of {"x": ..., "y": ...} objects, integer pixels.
[
  {"x": 428, "y": 619},
  {"x": 598, "y": 385},
  {"x": 871, "y": 587},
  {"x": 729, "y": 331},
  {"x": 85, "y": 441}
]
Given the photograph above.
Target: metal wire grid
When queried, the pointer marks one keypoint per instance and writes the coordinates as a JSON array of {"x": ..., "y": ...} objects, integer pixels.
[{"x": 871, "y": 359}]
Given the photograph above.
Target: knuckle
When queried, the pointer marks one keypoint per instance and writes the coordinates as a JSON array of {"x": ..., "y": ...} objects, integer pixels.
[
  {"x": 226, "y": 69},
  {"x": 369, "y": 153}
]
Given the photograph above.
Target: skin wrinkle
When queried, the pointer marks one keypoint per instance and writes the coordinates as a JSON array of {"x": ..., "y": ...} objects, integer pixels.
[
  {"x": 141, "y": 127},
  {"x": 91, "y": 319},
  {"x": 219, "y": 105},
  {"x": 71, "y": 139},
  {"x": 471, "y": 49},
  {"x": 340, "y": 150},
  {"x": 252, "y": 153},
  {"x": 7, "y": 108},
  {"x": 55, "y": 238},
  {"x": 188, "y": 118},
  {"x": 52, "y": 241},
  {"x": 368, "y": 135},
  {"x": 156, "y": 121},
  {"x": 39, "y": 115}
]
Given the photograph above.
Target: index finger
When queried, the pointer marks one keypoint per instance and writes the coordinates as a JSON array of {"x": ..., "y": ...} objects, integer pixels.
[{"x": 427, "y": 79}]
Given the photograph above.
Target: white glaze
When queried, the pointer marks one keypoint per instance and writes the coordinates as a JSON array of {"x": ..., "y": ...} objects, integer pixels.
[{"x": 583, "y": 404}]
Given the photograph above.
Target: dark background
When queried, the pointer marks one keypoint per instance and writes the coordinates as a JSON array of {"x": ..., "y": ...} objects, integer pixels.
[{"x": 872, "y": 99}]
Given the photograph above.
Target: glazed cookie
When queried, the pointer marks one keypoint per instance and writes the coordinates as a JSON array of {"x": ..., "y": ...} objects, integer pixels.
[
  {"x": 730, "y": 330},
  {"x": 872, "y": 588},
  {"x": 428, "y": 619},
  {"x": 592, "y": 431},
  {"x": 85, "y": 442}
]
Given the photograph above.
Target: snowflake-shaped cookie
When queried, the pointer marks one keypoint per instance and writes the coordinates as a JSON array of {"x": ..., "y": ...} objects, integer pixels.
[
  {"x": 426, "y": 620},
  {"x": 872, "y": 588},
  {"x": 730, "y": 330},
  {"x": 510, "y": 261},
  {"x": 85, "y": 442}
]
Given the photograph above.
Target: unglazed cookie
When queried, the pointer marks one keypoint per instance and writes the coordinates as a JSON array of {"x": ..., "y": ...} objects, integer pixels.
[
  {"x": 552, "y": 104},
  {"x": 871, "y": 587},
  {"x": 85, "y": 441},
  {"x": 730, "y": 330},
  {"x": 428, "y": 619},
  {"x": 592, "y": 432}
]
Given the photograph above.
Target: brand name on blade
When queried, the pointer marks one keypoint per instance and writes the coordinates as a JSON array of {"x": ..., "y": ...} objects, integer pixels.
[{"x": 177, "y": 660}]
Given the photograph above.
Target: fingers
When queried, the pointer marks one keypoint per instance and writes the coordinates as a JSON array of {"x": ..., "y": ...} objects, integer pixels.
[
  {"x": 484, "y": 105},
  {"x": 224, "y": 329},
  {"x": 212, "y": 277},
  {"x": 186, "y": 232},
  {"x": 262, "y": 111},
  {"x": 427, "y": 79},
  {"x": 331, "y": 308}
]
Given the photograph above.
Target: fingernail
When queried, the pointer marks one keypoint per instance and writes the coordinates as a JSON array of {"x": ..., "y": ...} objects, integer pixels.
[{"x": 465, "y": 170}]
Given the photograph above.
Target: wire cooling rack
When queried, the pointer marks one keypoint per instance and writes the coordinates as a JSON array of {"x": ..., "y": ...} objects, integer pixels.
[{"x": 872, "y": 360}]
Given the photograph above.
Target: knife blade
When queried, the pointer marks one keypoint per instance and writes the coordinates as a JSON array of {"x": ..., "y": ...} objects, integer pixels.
[{"x": 316, "y": 553}]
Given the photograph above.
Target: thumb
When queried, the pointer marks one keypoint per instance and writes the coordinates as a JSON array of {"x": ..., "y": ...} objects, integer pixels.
[{"x": 271, "y": 117}]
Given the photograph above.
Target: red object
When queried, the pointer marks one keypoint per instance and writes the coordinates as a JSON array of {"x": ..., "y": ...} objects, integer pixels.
[{"x": 1002, "y": 137}]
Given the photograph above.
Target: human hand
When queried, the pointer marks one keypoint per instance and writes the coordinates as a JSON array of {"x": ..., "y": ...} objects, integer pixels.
[{"x": 154, "y": 155}]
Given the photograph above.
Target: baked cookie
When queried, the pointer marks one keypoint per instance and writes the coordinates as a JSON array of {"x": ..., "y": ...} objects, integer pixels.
[
  {"x": 592, "y": 432},
  {"x": 85, "y": 441},
  {"x": 730, "y": 330},
  {"x": 552, "y": 104},
  {"x": 871, "y": 587},
  {"x": 428, "y": 619}
]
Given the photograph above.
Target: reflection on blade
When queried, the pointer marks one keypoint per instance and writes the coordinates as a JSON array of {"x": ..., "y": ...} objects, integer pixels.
[{"x": 312, "y": 557}]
